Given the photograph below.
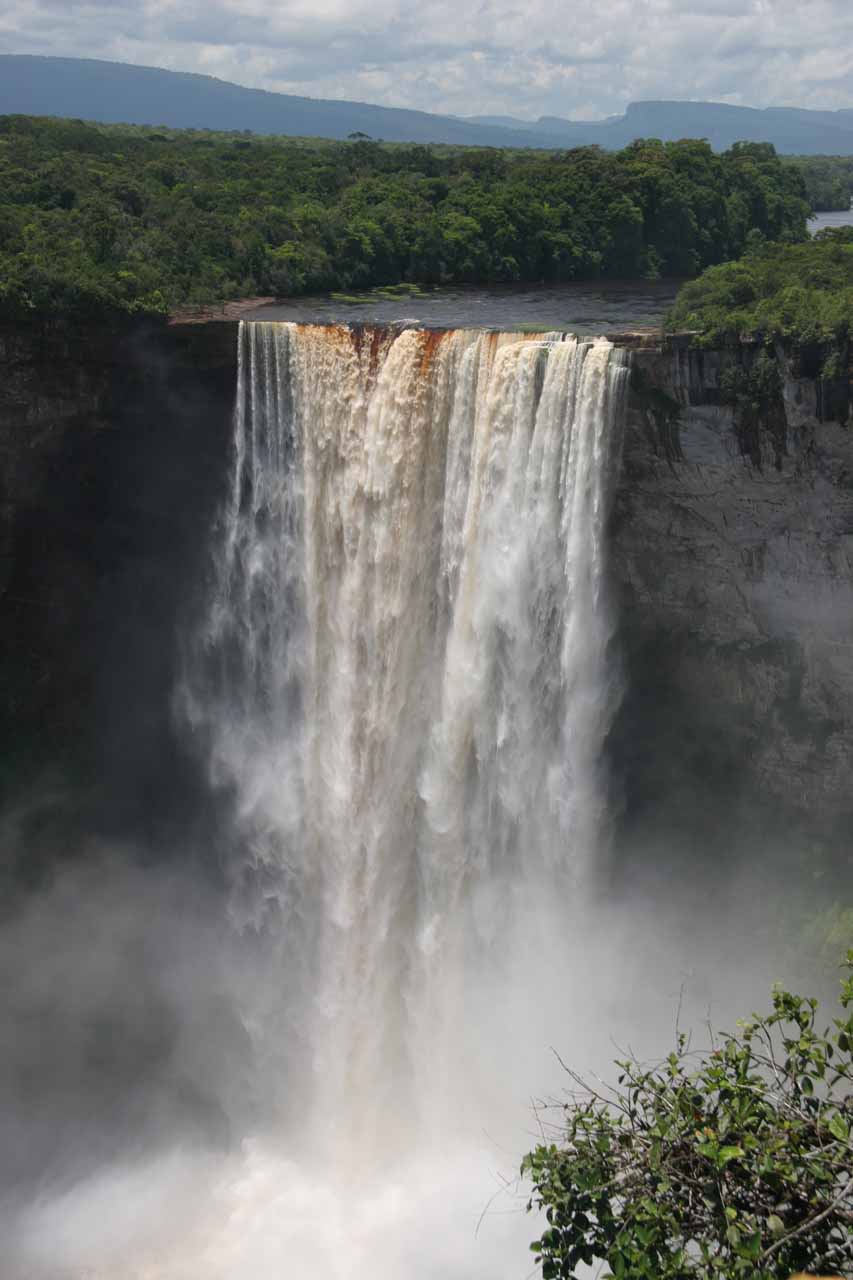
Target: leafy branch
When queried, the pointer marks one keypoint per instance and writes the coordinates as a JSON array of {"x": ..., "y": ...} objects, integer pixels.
[{"x": 735, "y": 1161}]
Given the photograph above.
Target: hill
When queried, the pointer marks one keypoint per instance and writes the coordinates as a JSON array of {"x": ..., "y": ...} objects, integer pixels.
[
  {"x": 115, "y": 92},
  {"x": 792, "y": 130}
]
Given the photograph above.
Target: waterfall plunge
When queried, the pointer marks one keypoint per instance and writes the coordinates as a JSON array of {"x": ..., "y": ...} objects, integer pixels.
[{"x": 404, "y": 681}]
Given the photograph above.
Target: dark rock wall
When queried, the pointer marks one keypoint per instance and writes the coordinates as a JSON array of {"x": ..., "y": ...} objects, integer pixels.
[
  {"x": 734, "y": 569},
  {"x": 112, "y": 447}
]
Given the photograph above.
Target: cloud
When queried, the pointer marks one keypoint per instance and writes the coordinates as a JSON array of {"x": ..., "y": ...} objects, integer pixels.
[{"x": 470, "y": 56}]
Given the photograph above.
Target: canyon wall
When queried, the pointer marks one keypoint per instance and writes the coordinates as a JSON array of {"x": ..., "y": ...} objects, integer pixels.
[
  {"x": 733, "y": 558},
  {"x": 113, "y": 451}
]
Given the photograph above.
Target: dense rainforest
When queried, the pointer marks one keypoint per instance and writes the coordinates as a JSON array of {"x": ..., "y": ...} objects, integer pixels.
[
  {"x": 828, "y": 179},
  {"x": 802, "y": 293},
  {"x": 141, "y": 219}
]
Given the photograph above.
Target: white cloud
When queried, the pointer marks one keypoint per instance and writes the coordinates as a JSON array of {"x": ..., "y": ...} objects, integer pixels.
[{"x": 470, "y": 56}]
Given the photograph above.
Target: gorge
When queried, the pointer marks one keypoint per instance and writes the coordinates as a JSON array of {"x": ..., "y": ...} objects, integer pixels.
[{"x": 427, "y": 671}]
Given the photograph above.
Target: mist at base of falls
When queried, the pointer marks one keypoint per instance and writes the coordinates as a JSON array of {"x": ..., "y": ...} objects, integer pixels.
[
  {"x": 401, "y": 688},
  {"x": 178, "y": 1168}
]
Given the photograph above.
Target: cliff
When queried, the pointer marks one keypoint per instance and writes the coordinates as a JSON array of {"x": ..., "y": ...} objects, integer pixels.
[
  {"x": 112, "y": 445},
  {"x": 732, "y": 557},
  {"x": 733, "y": 561}
]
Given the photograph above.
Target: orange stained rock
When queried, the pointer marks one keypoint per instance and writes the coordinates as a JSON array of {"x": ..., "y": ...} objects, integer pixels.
[
  {"x": 432, "y": 339},
  {"x": 367, "y": 338}
]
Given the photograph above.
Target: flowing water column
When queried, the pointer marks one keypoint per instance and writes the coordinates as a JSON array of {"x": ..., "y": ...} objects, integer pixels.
[
  {"x": 373, "y": 478},
  {"x": 512, "y": 793},
  {"x": 591, "y": 457},
  {"x": 243, "y": 693},
  {"x": 248, "y": 689},
  {"x": 405, "y": 685}
]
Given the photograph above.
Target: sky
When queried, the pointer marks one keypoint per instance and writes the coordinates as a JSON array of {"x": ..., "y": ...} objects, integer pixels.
[{"x": 576, "y": 58}]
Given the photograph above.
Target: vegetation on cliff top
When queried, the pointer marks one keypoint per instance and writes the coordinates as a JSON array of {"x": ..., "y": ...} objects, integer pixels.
[
  {"x": 800, "y": 293},
  {"x": 95, "y": 216},
  {"x": 709, "y": 1165}
]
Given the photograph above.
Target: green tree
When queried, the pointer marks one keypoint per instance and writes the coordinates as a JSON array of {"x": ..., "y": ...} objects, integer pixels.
[
  {"x": 828, "y": 180},
  {"x": 736, "y": 1161}
]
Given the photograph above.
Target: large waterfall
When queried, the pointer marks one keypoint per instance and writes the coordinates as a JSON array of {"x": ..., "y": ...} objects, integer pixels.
[{"x": 404, "y": 680}]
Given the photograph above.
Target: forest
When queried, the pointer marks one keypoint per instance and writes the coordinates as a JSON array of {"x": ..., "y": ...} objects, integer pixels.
[
  {"x": 802, "y": 293},
  {"x": 828, "y": 179},
  {"x": 98, "y": 217}
]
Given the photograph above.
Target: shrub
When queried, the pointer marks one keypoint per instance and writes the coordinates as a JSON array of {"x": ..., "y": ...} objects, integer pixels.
[{"x": 735, "y": 1161}]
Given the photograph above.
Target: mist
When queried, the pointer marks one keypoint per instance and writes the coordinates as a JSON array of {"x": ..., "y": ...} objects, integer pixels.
[{"x": 144, "y": 1132}]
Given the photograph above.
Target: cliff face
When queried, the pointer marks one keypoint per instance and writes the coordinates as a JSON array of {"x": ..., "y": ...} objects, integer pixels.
[
  {"x": 112, "y": 446},
  {"x": 733, "y": 557}
]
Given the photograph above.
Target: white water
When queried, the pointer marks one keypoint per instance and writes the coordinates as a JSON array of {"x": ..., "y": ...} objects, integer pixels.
[
  {"x": 412, "y": 614},
  {"x": 405, "y": 683}
]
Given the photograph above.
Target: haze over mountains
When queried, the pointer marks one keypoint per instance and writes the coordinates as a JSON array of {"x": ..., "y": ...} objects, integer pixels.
[{"x": 114, "y": 92}]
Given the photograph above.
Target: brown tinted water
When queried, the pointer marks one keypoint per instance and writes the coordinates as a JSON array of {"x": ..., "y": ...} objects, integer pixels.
[{"x": 585, "y": 308}]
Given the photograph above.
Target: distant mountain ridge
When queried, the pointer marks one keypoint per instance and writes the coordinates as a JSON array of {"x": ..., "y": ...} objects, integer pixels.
[
  {"x": 117, "y": 92},
  {"x": 795, "y": 130}
]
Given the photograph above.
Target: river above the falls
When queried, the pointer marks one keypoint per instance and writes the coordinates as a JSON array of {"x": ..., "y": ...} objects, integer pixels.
[
  {"x": 587, "y": 307},
  {"x": 836, "y": 218}
]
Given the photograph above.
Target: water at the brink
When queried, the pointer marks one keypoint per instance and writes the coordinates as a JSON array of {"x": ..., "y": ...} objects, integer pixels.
[{"x": 404, "y": 681}]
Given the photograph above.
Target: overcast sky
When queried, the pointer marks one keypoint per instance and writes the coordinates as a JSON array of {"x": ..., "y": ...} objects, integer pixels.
[{"x": 580, "y": 58}]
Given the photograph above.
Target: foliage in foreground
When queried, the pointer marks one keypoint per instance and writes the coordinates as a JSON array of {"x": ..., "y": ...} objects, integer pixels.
[
  {"x": 801, "y": 293},
  {"x": 136, "y": 218},
  {"x": 733, "y": 1162}
]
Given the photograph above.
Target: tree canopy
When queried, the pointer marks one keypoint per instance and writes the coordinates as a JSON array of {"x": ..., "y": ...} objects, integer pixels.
[
  {"x": 828, "y": 179},
  {"x": 801, "y": 293},
  {"x": 734, "y": 1161},
  {"x": 136, "y": 218}
]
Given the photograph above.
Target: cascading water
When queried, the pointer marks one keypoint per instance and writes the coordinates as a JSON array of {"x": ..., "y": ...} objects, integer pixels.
[
  {"x": 404, "y": 681},
  {"x": 406, "y": 670}
]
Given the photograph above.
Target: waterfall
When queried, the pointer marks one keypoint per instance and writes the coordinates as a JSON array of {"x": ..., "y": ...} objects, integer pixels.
[{"x": 404, "y": 681}]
